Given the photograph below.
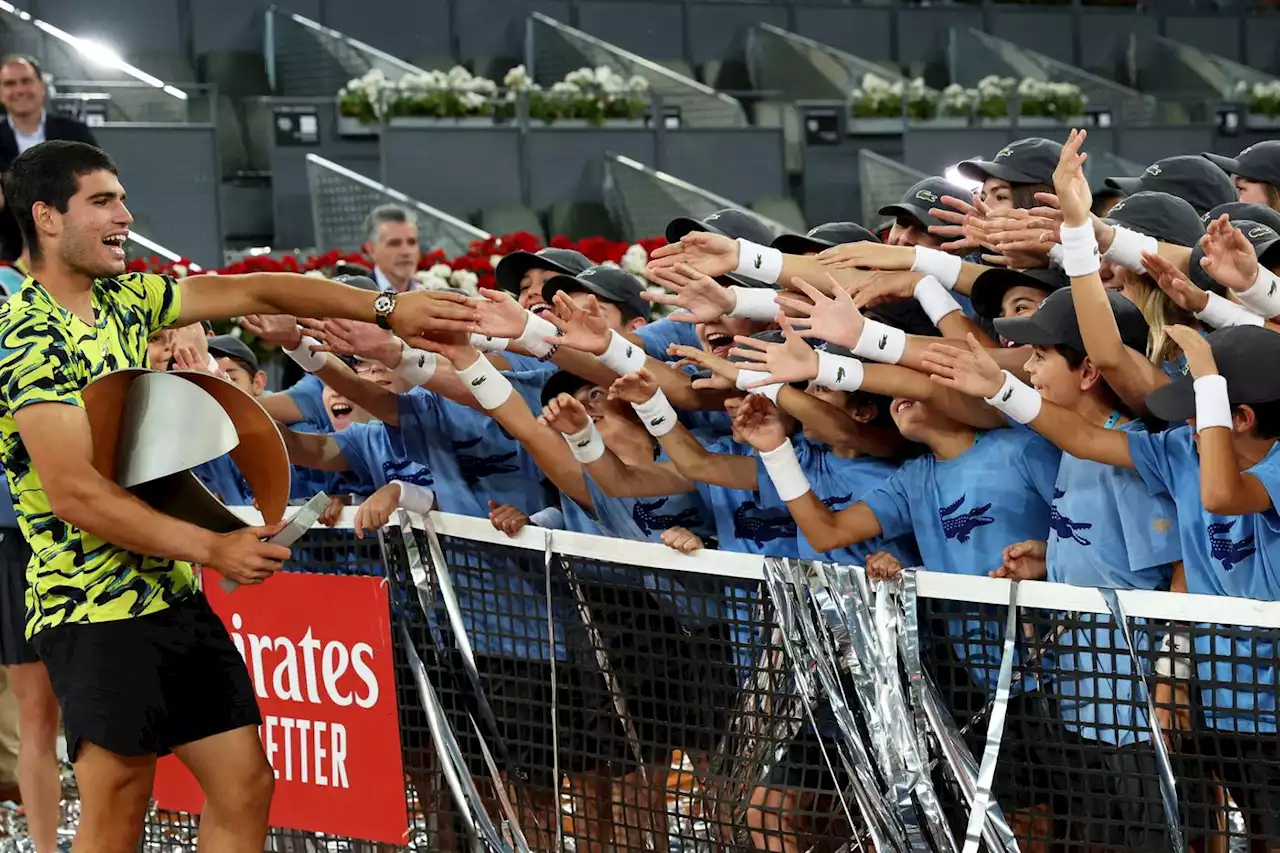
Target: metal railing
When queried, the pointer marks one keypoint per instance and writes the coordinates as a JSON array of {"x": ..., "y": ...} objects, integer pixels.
[
  {"x": 553, "y": 50},
  {"x": 882, "y": 182},
  {"x": 801, "y": 68},
  {"x": 341, "y": 200},
  {"x": 306, "y": 59},
  {"x": 138, "y": 247},
  {"x": 643, "y": 200},
  {"x": 1177, "y": 72}
]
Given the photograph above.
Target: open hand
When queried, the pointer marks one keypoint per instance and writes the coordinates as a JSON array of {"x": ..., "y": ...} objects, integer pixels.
[
  {"x": 565, "y": 414},
  {"x": 872, "y": 256},
  {"x": 1200, "y": 361},
  {"x": 701, "y": 298},
  {"x": 432, "y": 312},
  {"x": 279, "y": 329},
  {"x": 793, "y": 360},
  {"x": 972, "y": 371},
  {"x": 836, "y": 320},
  {"x": 636, "y": 387},
  {"x": 583, "y": 329},
  {"x": 726, "y": 372},
  {"x": 1075, "y": 199},
  {"x": 759, "y": 423},
  {"x": 500, "y": 315},
  {"x": 1175, "y": 284},
  {"x": 1229, "y": 257},
  {"x": 709, "y": 254}
]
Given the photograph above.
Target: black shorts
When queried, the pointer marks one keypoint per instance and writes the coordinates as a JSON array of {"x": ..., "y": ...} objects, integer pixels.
[
  {"x": 143, "y": 686},
  {"x": 14, "y": 556},
  {"x": 1248, "y": 765}
]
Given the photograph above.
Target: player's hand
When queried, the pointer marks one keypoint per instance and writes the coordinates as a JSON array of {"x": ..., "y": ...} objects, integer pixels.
[
  {"x": 1024, "y": 561},
  {"x": 1075, "y": 199},
  {"x": 681, "y": 539},
  {"x": 960, "y": 214},
  {"x": 709, "y": 254},
  {"x": 354, "y": 338},
  {"x": 760, "y": 424},
  {"x": 726, "y": 372},
  {"x": 376, "y": 511},
  {"x": 871, "y": 256},
  {"x": 242, "y": 555},
  {"x": 432, "y": 312},
  {"x": 1200, "y": 361},
  {"x": 508, "y": 519},
  {"x": 877, "y": 288},
  {"x": 1228, "y": 255},
  {"x": 332, "y": 512},
  {"x": 972, "y": 371},
  {"x": 500, "y": 315},
  {"x": 583, "y": 329},
  {"x": 883, "y": 566},
  {"x": 701, "y": 298},
  {"x": 635, "y": 388},
  {"x": 793, "y": 360},
  {"x": 1175, "y": 284},
  {"x": 282, "y": 329},
  {"x": 834, "y": 319},
  {"x": 565, "y": 415}
]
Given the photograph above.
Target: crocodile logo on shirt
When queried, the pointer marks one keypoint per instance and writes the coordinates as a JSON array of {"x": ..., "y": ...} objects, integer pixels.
[
  {"x": 407, "y": 472},
  {"x": 837, "y": 501},
  {"x": 1229, "y": 553},
  {"x": 753, "y": 524},
  {"x": 1064, "y": 527},
  {"x": 476, "y": 468},
  {"x": 643, "y": 512},
  {"x": 961, "y": 527}
]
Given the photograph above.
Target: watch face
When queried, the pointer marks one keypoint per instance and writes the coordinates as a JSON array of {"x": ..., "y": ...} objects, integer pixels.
[{"x": 383, "y": 304}]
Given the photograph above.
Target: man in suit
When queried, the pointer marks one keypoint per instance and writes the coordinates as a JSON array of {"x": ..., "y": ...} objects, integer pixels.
[{"x": 22, "y": 94}]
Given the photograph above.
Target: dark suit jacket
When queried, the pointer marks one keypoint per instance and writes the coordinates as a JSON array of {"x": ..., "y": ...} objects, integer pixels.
[{"x": 55, "y": 127}]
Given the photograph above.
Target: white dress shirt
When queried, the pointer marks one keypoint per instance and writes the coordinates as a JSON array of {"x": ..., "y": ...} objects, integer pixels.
[{"x": 24, "y": 140}]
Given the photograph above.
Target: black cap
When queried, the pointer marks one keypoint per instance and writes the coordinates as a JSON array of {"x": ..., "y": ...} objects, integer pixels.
[
  {"x": 1027, "y": 161},
  {"x": 608, "y": 283},
  {"x": 229, "y": 346},
  {"x": 1266, "y": 245},
  {"x": 731, "y": 222},
  {"x": 1193, "y": 179},
  {"x": 1055, "y": 323},
  {"x": 1238, "y": 351},
  {"x": 1166, "y": 217},
  {"x": 513, "y": 267},
  {"x": 1260, "y": 162},
  {"x": 361, "y": 281},
  {"x": 562, "y": 382},
  {"x": 990, "y": 286},
  {"x": 1251, "y": 211},
  {"x": 824, "y": 237},
  {"x": 348, "y": 268},
  {"x": 923, "y": 196}
]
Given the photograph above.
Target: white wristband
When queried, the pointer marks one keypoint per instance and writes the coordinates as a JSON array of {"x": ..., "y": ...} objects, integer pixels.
[
  {"x": 657, "y": 414},
  {"x": 587, "y": 445},
  {"x": 880, "y": 342},
  {"x": 533, "y": 339},
  {"x": 839, "y": 372},
  {"x": 1222, "y": 312},
  {"x": 302, "y": 355},
  {"x": 1055, "y": 255},
  {"x": 415, "y": 498},
  {"x": 1263, "y": 297},
  {"x": 1079, "y": 250},
  {"x": 486, "y": 383},
  {"x": 785, "y": 472},
  {"x": 746, "y": 378},
  {"x": 1127, "y": 247},
  {"x": 416, "y": 366},
  {"x": 943, "y": 266},
  {"x": 622, "y": 356},
  {"x": 754, "y": 303},
  {"x": 769, "y": 392},
  {"x": 758, "y": 263},
  {"x": 935, "y": 299},
  {"x": 1213, "y": 404},
  {"x": 550, "y": 518},
  {"x": 213, "y": 365},
  {"x": 484, "y": 343},
  {"x": 1017, "y": 399},
  {"x": 1167, "y": 664}
]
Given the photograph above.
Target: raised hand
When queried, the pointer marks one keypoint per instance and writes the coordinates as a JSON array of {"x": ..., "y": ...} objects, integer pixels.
[
  {"x": 883, "y": 566},
  {"x": 793, "y": 360},
  {"x": 726, "y": 372},
  {"x": 454, "y": 347},
  {"x": 509, "y": 519},
  {"x": 709, "y": 254},
  {"x": 242, "y": 555},
  {"x": 583, "y": 329},
  {"x": 282, "y": 329},
  {"x": 875, "y": 256},
  {"x": 1024, "y": 561},
  {"x": 376, "y": 511},
  {"x": 1175, "y": 284},
  {"x": 432, "y": 312},
  {"x": 701, "y": 299},
  {"x": 837, "y": 319},
  {"x": 759, "y": 424},
  {"x": 877, "y": 288},
  {"x": 959, "y": 234},
  {"x": 354, "y": 338},
  {"x": 565, "y": 414},
  {"x": 972, "y": 371},
  {"x": 1024, "y": 231},
  {"x": 1200, "y": 361},
  {"x": 635, "y": 387},
  {"x": 1075, "y": 199},
  {"x": 500, "y": 315},
  {"x": 1228, "y": 255},
  {"x": 681, "y": 539}
]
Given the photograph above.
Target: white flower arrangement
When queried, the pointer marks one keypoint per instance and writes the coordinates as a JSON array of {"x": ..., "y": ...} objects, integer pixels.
[
  {"x": 876, "y": 97},
  {"x": 1262, "y": 98},
  {"x": 635, "y": 259},
  {"x": 1051, "y": 100}
]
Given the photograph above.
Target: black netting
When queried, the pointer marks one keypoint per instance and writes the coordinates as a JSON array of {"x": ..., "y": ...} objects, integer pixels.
[{"x": 624, "y": 707}]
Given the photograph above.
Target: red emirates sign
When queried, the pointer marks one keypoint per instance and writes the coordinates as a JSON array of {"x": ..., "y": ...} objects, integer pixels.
[{"x": 318, "y": 649}]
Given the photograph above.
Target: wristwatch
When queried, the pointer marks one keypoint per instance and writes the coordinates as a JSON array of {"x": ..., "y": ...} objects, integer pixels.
[{"x": 383, "y": 307}]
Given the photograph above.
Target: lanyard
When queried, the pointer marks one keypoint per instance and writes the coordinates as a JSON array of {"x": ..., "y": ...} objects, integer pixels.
[{"x": 1112, "y": 421}]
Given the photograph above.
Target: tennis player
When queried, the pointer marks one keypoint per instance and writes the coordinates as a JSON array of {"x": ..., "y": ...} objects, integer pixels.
[{"x": 140, "y": 664}]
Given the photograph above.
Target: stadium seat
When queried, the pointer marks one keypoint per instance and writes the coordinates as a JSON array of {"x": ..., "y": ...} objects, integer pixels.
[
  {"x": 786, "y": 116},
  {"x": 510, "y": 218},
  {"x": 580, "y": 219},
  {"x": 783, "y": 211},
  {"x": 679, "y": 66}
]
